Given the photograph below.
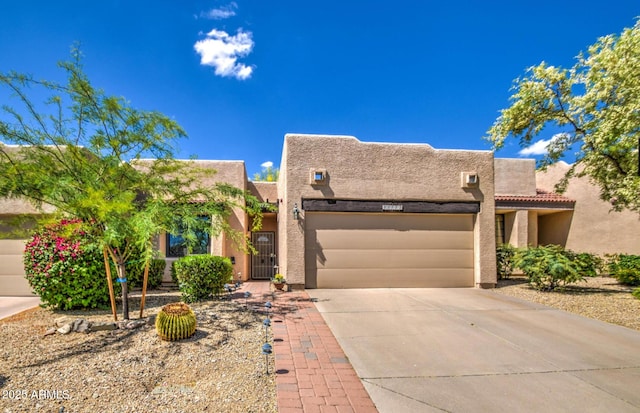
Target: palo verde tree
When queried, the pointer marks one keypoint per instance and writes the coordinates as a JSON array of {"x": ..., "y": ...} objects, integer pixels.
[
  {"x": 267, "y": 174},
  {"x": 82, "y": 152},
  {"x": 594, "y": 106}
]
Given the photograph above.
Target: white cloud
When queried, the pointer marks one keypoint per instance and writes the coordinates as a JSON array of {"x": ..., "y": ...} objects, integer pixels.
[
  {"x": 221, "y": 13},
  {"x": 540, "y": 147},
  {"x": 267, "y": 164},
  {"x": 222, "y": 50}
]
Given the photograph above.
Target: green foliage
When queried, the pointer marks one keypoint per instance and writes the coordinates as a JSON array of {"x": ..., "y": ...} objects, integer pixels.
[
  {"x": 594, "y": 107},
  {"x": 625, "y": 268},
  {"x": 505, "y": 254},
  {"x": 279, "y": 279},
  {"x": 636, "y": 293},
  {"x": 548, "y": 267},
  {"x": 202, "y": 276},
  {"x": 589, "y": 265},
  {"x": 268, "y": 174},
  {"x": 135, "y": 273},
  {"x": 82, "y": 151},
  {"x": 64, "y": 265},
  {"x": 175, "y": 321}
]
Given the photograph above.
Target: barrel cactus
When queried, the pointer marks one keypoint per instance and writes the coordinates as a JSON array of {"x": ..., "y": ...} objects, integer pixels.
[{"x": 176, "y": 321}]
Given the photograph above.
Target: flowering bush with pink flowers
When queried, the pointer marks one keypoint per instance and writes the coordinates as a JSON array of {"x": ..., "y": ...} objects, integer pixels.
[{"x": 65, "y": 267}]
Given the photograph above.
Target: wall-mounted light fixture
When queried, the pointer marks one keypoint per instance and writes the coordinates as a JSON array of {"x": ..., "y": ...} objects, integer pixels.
[{"x": 296, "y": 211}]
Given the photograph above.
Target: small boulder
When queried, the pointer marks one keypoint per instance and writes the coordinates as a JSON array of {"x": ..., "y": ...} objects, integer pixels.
[
  {"x": 80, "y": 326},
  {"x": 103, "y": 326},
  {"x": 65, "y": 329}
]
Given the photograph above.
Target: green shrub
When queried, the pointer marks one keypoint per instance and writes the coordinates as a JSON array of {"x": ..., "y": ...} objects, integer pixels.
[
  {"x": 588, "y": 265},
  {"x": 547, "y": 267},
  {"x": 625, "y": 268},
  {"x": 135, "y": 273},
  {"x": 504, "y": 259},
  {"x": 64, "y": 265},
  {"x": 202, "y": 276},
  {"x": 636, "y": 293}
]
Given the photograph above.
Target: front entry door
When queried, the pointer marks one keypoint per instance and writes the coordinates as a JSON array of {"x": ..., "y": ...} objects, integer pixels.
[{"x": 263, "y": 264}]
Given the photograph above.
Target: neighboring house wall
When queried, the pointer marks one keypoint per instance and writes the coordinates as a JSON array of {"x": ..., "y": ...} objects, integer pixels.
[
  {"x": 593, "y": 226},
  {"x": 515, "y": 176},
  {"x": 379, "y": 171},
  {"x": 232, "y": 173},
  {"x": 12, "y": 275}
]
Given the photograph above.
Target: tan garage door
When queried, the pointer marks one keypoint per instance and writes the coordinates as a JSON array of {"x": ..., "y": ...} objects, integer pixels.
[
  {"x": 12, "y": 281},
  {"x": 358, "y": 250}
]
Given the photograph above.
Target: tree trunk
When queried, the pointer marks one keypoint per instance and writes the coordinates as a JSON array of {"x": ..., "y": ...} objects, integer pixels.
[{"x": 122, "y": 275}]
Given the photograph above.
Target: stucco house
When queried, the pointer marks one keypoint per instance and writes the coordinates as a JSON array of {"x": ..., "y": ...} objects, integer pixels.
[{"x": 361, "y": 214}]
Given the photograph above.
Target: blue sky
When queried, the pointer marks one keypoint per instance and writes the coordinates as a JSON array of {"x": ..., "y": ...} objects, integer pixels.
[{"x": 239, "y": 75}]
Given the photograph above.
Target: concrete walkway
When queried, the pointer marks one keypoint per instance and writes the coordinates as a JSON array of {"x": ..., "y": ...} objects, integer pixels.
[
  {"x": 13, "y": 305},
  {"x": 471, "y": 350}
]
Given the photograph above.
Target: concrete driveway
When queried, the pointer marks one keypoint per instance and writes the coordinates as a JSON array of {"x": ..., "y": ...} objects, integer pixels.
[
  {"x": 471, "y": 350},
  {"x": 13, "y": 305}
]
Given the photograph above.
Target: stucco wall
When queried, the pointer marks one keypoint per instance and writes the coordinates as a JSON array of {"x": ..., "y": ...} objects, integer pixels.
[
  {"x": 361, "y": 170},
  {"x": 593, "y": 228},
  {"x": 515, "y": 176},
  {"x": 232, "y": 173}
]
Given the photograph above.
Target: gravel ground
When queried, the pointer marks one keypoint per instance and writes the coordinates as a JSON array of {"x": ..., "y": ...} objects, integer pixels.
[
  {"x": 601, "y": 298},
  {"x": 219, "y": 369}
]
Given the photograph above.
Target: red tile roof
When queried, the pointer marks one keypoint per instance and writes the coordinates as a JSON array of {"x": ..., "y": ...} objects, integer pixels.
[{"x": 541, "y": 196}]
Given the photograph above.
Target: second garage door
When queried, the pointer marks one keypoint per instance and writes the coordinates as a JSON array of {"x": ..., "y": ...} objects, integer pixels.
[
  {"x": 370, "y": 250},
  {"x": 12, "y": 279}
]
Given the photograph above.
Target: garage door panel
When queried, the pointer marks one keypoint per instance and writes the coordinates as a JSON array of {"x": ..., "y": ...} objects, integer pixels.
[
  {"x": 11, "y": 265},
  {"x": 382, "y": 278},
  {"x": 391, "y": 239},
  {"x": 11, "y": 247},
  {"x": 14, "y": 285},
  {"x": 395, "y": 259},
  {"x": 401, "y": 222},
  {"x": 360, "y": 250},
  {"x": 12, "y": 278}
]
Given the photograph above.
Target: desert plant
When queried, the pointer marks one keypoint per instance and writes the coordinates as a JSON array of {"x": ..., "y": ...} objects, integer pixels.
[
  {"x": 625, "y": 268},
  {"x": 135, "y": 273},
  {"x": 587, "y": 264},
  {"x": 504, "y": 260},
  {"x": 636, "y": 293},
  {"x": 64, "y": 265},
  {"x": 175, "y": 321},
  {"x": 547, "y": 267},
  {"x": 202, "y": 276}
]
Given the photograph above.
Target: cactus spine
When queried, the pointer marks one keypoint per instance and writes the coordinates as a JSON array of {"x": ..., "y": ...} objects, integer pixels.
[{"x": 176, "y": 321}]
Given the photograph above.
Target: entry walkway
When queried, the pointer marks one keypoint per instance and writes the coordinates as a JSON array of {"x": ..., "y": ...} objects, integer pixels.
[{"x": 312, "y": 372}]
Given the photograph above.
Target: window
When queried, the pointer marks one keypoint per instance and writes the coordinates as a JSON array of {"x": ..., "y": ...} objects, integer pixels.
[
  {"x": 499, "y": 229},
  {"x": 177, "y": 245}
]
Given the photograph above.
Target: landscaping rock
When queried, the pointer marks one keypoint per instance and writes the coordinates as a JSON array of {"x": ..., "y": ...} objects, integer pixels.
[
  {"x": 50, "y": 331},
  {"x": 65, "y": 329},
  {"x": 80, "y": 326},
  {"x": 131, "y": 324},
  {"x": 103, "y": 326}
]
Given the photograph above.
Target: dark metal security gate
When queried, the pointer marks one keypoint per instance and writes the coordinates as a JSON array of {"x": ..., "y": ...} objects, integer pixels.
[{"x": 263, "y": 264}]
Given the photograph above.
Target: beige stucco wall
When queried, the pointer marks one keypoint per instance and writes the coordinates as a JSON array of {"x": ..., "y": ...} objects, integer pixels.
[
  {"x": 593, "y": 227},
  {"x": 232, "y": 173},
  {"x": 361, "y": 170},
  {"x": 515, "y": 176}
]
